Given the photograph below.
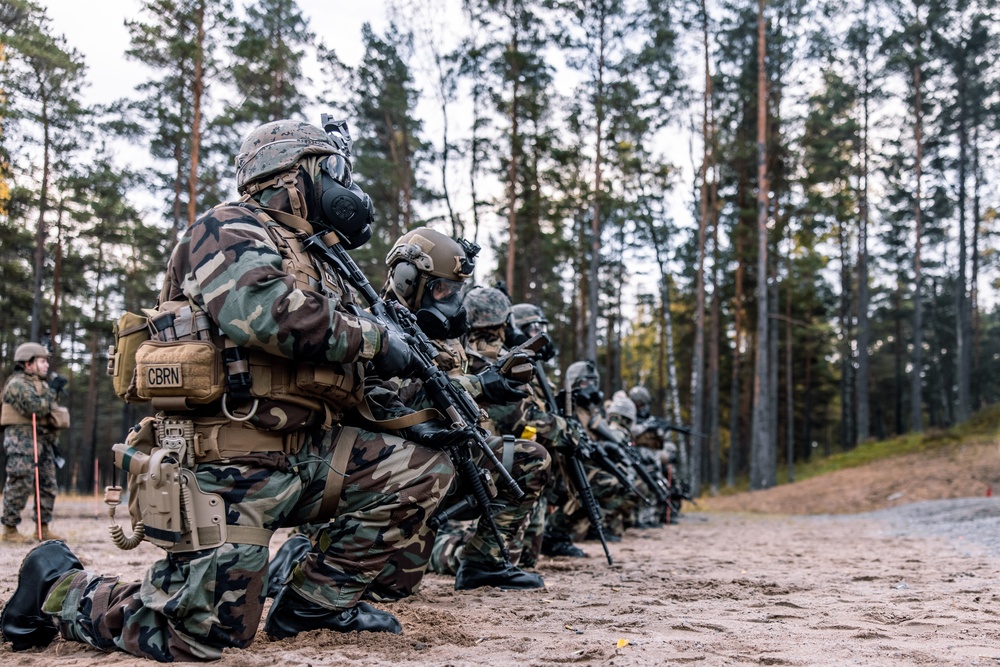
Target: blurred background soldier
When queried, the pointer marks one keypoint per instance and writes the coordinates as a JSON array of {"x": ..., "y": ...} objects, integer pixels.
[
  {"x": 28, "y": 392},
  {"x": 270, "y": 448}
]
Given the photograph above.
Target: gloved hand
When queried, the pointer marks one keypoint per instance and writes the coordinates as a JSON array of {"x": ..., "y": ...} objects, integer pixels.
[
  {"x": 395, "y": 359},
  {"x": 497, "y": 389},
  {"x": 58, "y": 383},
  {"x": 436, "y": 433}
]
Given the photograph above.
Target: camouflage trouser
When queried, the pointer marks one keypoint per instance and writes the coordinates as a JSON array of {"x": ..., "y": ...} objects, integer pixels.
[
  {"x": 20, "y": 486},
  {"x": 570, "y": 518},
  {"x": 530, "y": 469},
  {"x": 449, "y": 545},
  {"x": 192, "y": 606},
  {"x": 531, "y": 543}
]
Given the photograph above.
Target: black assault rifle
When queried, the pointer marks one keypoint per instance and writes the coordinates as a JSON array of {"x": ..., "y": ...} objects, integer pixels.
[
  {"x": 453, "y": 401},
  {"x": 574, "y": 460}
]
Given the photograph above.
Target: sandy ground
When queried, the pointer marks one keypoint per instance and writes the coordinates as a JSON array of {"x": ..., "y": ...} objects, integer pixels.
[{"x": 891, "y": 587}]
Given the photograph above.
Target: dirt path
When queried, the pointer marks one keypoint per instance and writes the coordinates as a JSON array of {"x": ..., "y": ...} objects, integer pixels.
[{"x": 718, "y": 589}]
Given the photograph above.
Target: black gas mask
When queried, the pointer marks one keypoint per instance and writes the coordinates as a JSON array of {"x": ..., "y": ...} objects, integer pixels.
[
  {"x": 588, "y": 394},
  {"x": 441, "y": 314},
  {"x": 343, "y": 207}
]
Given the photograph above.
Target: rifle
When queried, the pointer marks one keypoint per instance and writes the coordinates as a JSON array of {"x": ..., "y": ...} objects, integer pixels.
[
  {"x": 577, "y": 474},
  {"x": 645, "y": 475},
  {"x": 450, "y": 399},
  {"x": 600, "y": 455}
]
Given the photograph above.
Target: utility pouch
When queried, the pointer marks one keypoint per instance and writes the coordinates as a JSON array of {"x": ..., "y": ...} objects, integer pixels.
[
  {"x": 58, "y": 418},
  {"x": 179, "y": 374},
  {"x": 129, "y": 332},
  {"x": 341, "y": 385}
]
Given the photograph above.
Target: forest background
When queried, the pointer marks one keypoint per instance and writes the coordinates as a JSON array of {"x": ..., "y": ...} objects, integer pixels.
[{"x": 776, "y": 215}]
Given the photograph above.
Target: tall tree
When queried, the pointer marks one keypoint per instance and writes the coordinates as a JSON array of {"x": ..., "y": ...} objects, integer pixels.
[
  {"x": 267, "y": 63},
  {"x": 762, "y": 462},
  {"x": 46, "y": 75}
]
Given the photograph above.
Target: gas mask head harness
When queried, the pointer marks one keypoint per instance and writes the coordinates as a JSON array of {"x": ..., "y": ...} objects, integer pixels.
[
  {"x": 426, "y": 273},
  {"x": 314, "y": 168}
]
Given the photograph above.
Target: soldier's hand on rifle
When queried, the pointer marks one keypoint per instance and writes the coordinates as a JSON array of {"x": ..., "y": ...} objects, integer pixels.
[
  {"x": 497, "y": 389},
  {"x": 58, "y": 383},
  {"x": 436, "y": 433},
  {"x": 396, "y": 358}
]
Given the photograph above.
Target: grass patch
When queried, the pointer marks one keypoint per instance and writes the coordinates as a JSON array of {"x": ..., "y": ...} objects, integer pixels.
[{"x": 984, "y": 425}]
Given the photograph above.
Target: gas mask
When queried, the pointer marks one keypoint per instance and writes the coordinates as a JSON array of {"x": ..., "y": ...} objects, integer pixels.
[
  {"x": 441, "y": 314},
  {"x": 343, "y": 206}
]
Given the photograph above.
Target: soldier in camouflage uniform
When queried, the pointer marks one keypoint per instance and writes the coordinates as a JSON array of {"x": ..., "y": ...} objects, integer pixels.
[
  {"x": 651, "y": 437},
  {"x": 240, "y": 263},
  {"x": 581, "y": 398},
  {"x": 29, "y": 392},
  {"x": 621, "y": 412},
  {"x": 489, "y": 316},
  {"x": 426, "y": 273}
]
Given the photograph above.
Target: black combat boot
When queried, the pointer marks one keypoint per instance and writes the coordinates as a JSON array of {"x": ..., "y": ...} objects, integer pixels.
[
  {"x": 291, "y": 614},
  {"x": 504, "y": 576},
  {"x": 563, "y": 547},
  {"x": 288, "y": 556},
  {"x": 608, "y": 535},
  {"x": 23, "y": 622}
]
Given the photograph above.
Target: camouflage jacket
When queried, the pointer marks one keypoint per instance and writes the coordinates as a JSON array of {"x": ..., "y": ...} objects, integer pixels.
[
  {"x": 228, "y": 264},
  {"x": 26, "y": 395}
]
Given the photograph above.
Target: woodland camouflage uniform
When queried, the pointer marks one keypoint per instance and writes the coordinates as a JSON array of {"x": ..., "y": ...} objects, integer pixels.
[
  {"x": 27, "y": 395},
  {"x": 192, "y": 606}
]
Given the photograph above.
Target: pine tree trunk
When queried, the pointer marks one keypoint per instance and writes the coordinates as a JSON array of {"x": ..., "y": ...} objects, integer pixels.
[
  {"x": 90, "y": 424},
  {"x": 963, "y": 361},
  {"x": 595, "y": 225},
  {"x": 56, "y": 287},
  {"x": 512, "y": 167},
  {"x": 761, "y": 472},
  {"x": 714, "y": 471},
  {"x": 916, "y": 392},
  {"x": 197, "y": 90},
  {"x": 862, "y": 378},
  {"x": 41, "y": 231},
  {"x": 698, "y": 359},
  {"x": 975, "y": 332}
]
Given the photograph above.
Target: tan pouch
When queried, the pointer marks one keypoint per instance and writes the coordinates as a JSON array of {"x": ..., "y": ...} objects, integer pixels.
[
  {"x": 59, "y": 417},
  {"x": 341, "y": 385},
  {"x": 129, "y": 332},
  {"x": 189, "y": 370}
]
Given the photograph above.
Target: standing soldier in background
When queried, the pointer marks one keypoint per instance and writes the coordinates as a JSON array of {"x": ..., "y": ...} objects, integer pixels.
[
  {"x": 266, "y": 449},
  {"x": 29, "y": 392}
]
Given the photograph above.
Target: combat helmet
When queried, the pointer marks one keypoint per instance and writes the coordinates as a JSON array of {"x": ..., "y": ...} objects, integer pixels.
[
  {"x": 426, "y": 272},
  {"x": 582, "y": 383},
  {"x": 276, "y": 147},
  {"x": 623, "y": 408},
  {"x": 25, "y": 352},
  {"x": 529, "y": 318},
  {"x": 642, "y": 399},
  {"x": 486, "y": 307}
]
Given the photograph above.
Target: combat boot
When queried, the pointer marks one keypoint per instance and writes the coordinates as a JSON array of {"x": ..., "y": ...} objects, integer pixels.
[
  {"x": 22, "y": 622},
  {"x": 288, "y": 556},
  {"x": 505, "y": 577},
  {"x": 291, "y": 614},
  {"x": 11, "y": 535},
  {"x": 49, "y": 535},
  {"x": 562, "y": 548}
]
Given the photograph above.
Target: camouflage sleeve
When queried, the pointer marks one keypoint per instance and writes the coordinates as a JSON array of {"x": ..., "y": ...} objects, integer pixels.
[
  {"x": 25, "y": 397},
  {"x": 228, "y": 264}
]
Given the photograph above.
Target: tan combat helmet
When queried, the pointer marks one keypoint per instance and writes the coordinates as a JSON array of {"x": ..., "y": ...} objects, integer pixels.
[
  {"x": 421, "y": 255},
  {"x": 25, "y": 352}
]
